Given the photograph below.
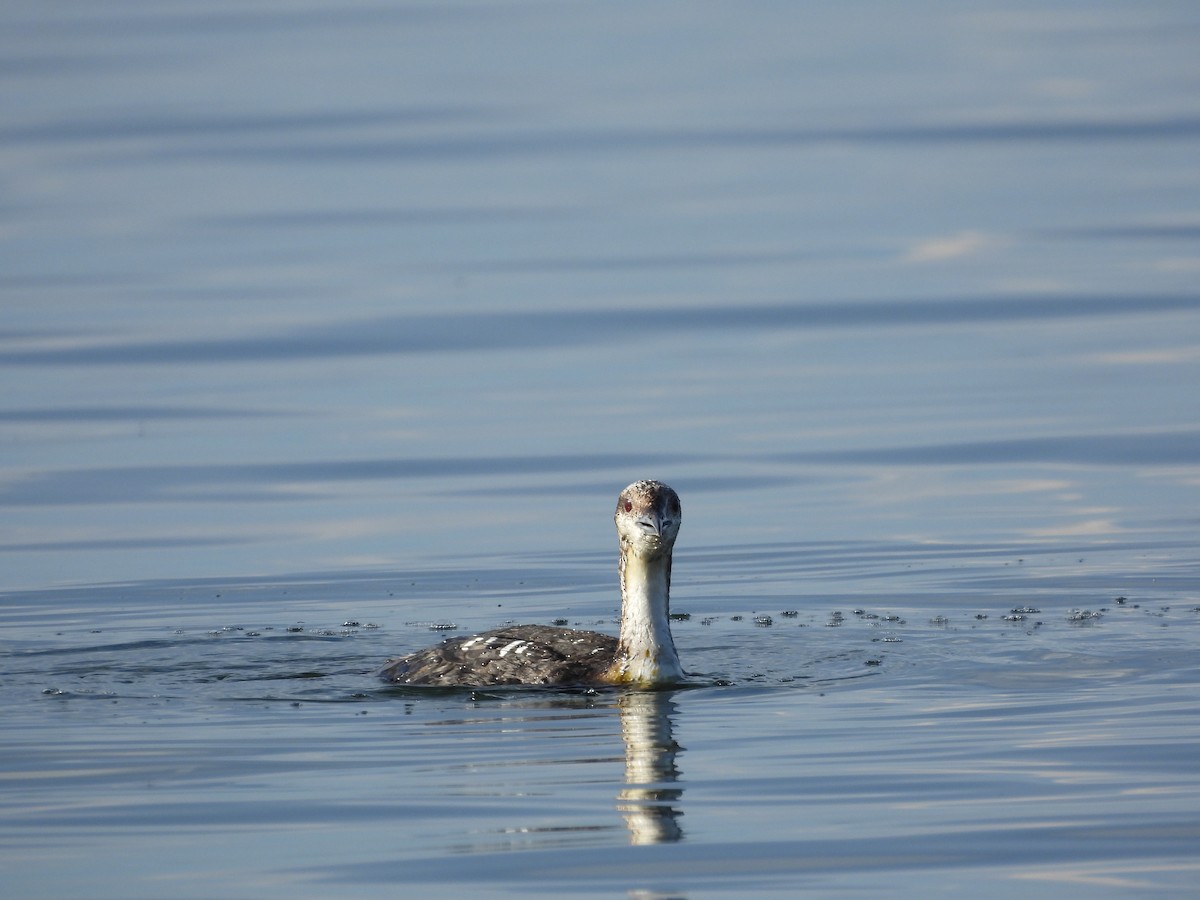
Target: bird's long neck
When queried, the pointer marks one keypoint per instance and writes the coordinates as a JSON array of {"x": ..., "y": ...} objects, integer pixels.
[{"x": 645, "y": 652}]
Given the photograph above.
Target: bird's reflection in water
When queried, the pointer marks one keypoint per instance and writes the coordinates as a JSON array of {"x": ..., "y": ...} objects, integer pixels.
[{"x": 648, "y": 802}]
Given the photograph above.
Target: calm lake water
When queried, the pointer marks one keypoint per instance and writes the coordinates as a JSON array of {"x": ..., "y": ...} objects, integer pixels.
[{"x": 329, "y": 329}]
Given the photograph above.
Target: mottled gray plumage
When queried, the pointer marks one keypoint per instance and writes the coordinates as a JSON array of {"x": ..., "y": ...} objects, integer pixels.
[{"x": 518, "y": 654}]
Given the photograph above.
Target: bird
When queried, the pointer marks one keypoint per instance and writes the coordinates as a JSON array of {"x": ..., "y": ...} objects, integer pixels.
[{"x": 648, "y": 516}]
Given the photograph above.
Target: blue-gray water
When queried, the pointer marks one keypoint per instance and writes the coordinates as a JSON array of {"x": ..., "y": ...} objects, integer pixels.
[{"x": 323, "y": 325}]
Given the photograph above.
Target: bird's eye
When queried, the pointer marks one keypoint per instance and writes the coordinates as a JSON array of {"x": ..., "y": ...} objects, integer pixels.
[{"x": 628, "y": 506}]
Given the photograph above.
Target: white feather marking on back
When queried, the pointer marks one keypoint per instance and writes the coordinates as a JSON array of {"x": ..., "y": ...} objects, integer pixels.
[{"x": 511, "y": 646}]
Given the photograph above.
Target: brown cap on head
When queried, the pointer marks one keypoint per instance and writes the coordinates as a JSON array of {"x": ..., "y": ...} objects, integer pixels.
[{"x": 647, "y": 494}]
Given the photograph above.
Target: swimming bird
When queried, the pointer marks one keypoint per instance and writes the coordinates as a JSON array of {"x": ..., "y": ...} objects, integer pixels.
[{"x": 648, "y": 517}]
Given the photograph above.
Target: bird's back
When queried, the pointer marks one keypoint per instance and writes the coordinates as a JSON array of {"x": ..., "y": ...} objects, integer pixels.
[{"x": 517, "y": 654}]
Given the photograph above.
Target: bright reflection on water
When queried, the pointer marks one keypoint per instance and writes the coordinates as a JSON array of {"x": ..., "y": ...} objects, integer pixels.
[{"x": 324, "y": 325}]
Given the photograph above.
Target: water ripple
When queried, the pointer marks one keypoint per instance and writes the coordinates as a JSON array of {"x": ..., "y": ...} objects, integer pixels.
[
  {"x": 558, "y": 143},
  {"x": 475, "y": 331},
  {"x": 1162, "y": 448},
  {"x": 260, "y": 481}
]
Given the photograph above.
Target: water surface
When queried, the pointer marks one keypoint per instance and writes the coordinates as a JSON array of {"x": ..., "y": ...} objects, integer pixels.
[{"x": 323, "y": 326}]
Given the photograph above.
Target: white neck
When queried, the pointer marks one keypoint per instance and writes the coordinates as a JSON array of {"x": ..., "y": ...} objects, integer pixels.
[{"x": 646, "y": 652}]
